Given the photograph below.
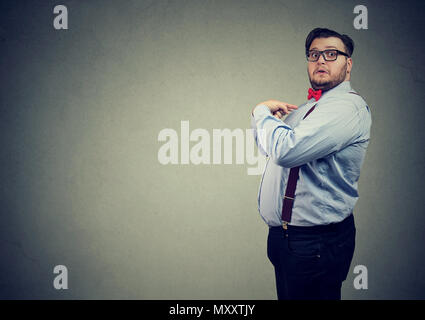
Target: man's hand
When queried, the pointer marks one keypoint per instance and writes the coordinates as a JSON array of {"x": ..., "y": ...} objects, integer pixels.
[{"x": 278, "y": 108}]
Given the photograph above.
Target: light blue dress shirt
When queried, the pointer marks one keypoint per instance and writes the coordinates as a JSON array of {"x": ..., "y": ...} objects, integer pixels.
[{"x": 329, "y": 145}]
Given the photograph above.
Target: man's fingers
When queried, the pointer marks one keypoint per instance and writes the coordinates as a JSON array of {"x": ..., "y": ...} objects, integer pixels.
[
  {"x": 286, "y": 107},
  {"x": 280, "y": 107},
  {"x": 276, "y": 105},
  {"x": 278, "y": 114}
]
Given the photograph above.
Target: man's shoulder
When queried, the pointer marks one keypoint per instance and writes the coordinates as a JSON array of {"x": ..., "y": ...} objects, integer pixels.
[
  {"x": 356, "y": 96},
  {"x": 359, "y": 100},
  {"x": 350, "y": 99}
]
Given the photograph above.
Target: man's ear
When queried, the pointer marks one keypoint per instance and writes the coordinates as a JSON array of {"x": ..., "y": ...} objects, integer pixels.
[{"x": 349, "y": 65}]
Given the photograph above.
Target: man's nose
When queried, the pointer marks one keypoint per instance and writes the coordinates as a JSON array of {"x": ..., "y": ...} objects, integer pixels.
[{"x": 321, "y": 59}]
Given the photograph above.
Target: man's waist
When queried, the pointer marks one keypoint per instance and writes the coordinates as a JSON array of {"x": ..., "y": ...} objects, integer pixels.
[{"x": 322, "y": 228}]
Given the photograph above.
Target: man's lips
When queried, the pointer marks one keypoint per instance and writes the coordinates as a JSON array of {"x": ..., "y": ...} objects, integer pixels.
[{"x": 321, "y": 71}]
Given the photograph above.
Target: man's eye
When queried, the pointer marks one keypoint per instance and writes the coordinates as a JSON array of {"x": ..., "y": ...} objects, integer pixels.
[
  {"x": 331, "y": 54},
  {"x": 314, "y": 54}
]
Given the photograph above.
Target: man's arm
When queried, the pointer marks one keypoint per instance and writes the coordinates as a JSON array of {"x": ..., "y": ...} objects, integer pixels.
[
  {"x": 330, "y": 127},
  {"x": 254, "y": 131},
  {"x": 278, "y": 109}
]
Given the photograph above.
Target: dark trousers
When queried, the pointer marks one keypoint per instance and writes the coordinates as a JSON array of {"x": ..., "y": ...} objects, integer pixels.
[{"x": 311, "y": 262}]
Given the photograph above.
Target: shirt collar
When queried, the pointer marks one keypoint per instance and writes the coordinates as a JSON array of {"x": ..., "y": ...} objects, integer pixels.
[{"x": 344, "y": 86}]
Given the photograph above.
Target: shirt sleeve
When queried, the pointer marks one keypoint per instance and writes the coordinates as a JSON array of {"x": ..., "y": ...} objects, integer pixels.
[
  {"x": 254, "y": 131},
  {"x": 330, "y": 127}
]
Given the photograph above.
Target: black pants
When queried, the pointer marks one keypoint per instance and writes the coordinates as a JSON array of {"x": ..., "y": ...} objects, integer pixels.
[{"x": 311, "y": 262}]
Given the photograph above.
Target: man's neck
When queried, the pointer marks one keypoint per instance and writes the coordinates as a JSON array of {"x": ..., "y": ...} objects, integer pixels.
[{"x": 325, "y": 89}]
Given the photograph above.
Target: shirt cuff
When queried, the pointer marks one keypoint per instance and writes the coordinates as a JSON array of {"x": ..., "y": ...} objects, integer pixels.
[{"x": 260, "y": 109}]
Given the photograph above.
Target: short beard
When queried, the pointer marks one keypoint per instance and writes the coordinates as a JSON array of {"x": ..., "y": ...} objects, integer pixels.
[{"x": 325, "y": 86}]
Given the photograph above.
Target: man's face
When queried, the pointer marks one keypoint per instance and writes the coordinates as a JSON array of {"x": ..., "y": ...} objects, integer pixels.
[{"x": 327, "y": 74}]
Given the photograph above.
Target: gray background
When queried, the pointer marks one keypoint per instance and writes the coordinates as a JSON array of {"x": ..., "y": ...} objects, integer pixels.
[{"x": 81, "y": 110}]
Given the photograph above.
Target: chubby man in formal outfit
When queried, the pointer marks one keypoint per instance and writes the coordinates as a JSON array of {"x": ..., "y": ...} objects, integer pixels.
[{"x": 309, "y": 186}]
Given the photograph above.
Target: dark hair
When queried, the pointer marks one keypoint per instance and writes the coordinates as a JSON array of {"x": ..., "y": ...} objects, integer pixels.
[{"x": 326, "y": 33}]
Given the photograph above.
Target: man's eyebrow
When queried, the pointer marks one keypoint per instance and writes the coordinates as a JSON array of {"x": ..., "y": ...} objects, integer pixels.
[{"x": 332, "y": 47}]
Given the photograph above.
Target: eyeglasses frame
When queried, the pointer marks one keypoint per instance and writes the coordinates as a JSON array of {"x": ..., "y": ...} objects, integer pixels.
[{"x": 321, "y": 53}]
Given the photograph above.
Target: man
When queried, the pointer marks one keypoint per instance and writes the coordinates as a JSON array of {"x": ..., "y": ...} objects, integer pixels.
[{"x": 309, "y": 186}]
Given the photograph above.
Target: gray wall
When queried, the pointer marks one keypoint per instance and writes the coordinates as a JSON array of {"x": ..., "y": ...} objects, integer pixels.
[{"x": 81, "y": 110}]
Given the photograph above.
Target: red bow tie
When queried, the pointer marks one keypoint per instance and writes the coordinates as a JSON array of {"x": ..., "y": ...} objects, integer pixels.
[{"x": 314, "y": 94}]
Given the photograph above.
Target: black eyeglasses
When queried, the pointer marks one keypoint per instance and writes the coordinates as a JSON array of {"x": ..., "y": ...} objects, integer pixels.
[{"x": 329, "y": 55}]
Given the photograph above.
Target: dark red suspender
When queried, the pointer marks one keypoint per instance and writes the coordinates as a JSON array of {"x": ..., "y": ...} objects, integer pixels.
[{"x": 289, "y": 198}]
